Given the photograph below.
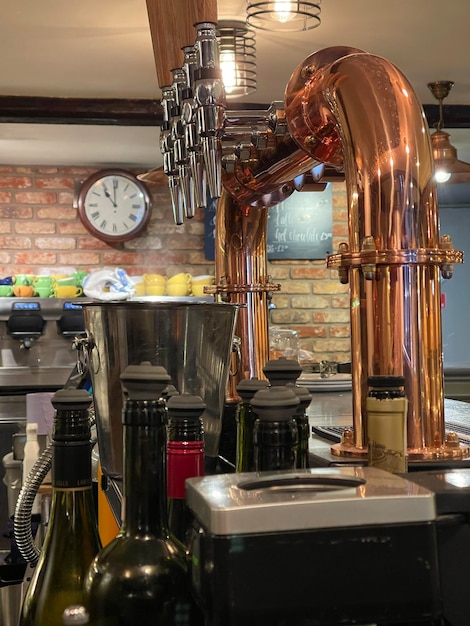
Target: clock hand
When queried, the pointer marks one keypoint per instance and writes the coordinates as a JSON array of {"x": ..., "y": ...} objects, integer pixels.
[
  {"x": 108, "y": 195},
  {"x": 115, "y": 185}
]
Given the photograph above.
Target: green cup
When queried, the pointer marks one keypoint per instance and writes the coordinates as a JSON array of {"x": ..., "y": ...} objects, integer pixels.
[
  {"x": 71, "y": 281},
  {"x": 6, "y": 290},
  {"x": 22, "y": 279},
  {"x": 44, "y": 291},
  {"x": 42, "y": 282}
]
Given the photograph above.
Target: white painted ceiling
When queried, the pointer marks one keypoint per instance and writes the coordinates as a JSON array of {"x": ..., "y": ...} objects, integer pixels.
[{"x": 102, "y": 49}]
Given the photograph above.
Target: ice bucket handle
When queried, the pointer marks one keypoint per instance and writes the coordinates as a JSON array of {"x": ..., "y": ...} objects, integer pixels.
[
  {"x": 236, "y": 343},
  {"x": 84, "y": 346}
]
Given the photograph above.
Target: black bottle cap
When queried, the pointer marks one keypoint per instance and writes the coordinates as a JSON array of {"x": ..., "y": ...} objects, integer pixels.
[
  {"x": 70, "y": 399},
  {"x": 69, "y": 426},
  {"x": 169, "y": 391},
  {"x": 144, "y": 381},
  {"x": 275, "y": 404},
  {"x": 249, "y": 386},
  {"x": 185, "y": 406},
  {"x": 386, "y": 381},
  {"x": 303, "y": 395},
  {"x": 282, "y": 371}
]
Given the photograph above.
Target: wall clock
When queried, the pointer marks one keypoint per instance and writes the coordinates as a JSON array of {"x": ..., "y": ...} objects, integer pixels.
[{"x": 114, "y": 205}]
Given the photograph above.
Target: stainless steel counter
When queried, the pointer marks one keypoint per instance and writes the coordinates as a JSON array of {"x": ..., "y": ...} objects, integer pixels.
[{"x": 335, "y": 409}]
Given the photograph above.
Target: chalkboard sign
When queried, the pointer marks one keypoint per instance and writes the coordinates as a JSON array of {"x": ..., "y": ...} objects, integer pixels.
[
  {"x": 298, "y": 228},
  {"x": 301, "y": 226}
]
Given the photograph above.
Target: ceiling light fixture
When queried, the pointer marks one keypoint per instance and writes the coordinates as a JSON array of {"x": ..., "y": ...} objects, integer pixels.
[
  {"x": 237, "y": 57},
  {"x": 283, "y": 16},
  {"x": 448, "y": 169}
]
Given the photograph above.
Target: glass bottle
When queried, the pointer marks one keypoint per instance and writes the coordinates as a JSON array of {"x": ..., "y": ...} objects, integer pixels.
[
  {"x": 185, "y": 457},
  {"x": 72, "y": 539},
  {"x": 31, "y": 455},
  {"x": 275, "y": 431},
  {"x": 387, "y": 407},
  {"x": 245, "y": 418},
  {"x": 285, "y": 371},
  {"x": 301, "y": 420},
  {"x": 141, "y": 577}
]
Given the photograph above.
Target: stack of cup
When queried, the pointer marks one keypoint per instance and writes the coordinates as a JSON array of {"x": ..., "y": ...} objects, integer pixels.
[
  {"x": 23, "y": 286},
  {"x": 68, "y": 287},
  {"x": 155, "y": 284},
  {"x": 179, "y": 285},
  {"x": 44, "y": 286}
]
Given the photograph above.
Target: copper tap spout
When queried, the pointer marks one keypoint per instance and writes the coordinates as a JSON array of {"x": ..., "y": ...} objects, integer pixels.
[{"x": 356, "y": 110}]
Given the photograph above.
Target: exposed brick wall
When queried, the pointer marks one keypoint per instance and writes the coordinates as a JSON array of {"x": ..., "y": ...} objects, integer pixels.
[
  {"x": 40, "y": 232},
  {"x": 312, "y": 301}
]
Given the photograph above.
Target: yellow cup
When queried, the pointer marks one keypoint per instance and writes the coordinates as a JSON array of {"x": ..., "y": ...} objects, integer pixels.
[
  {"x": 198, "y": 290},
  {"x": 139, "y": 289},
  {"x": 67, "y": 291},
  {"x": 154, "y": 279},
  {"x": 182, "y": 277},
  {"x": 178, "y": 289},
  {"x": 155, "y": 290}
]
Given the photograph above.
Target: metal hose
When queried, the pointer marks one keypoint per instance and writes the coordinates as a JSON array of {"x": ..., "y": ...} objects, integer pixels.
[{"x": 24, "y": 505}]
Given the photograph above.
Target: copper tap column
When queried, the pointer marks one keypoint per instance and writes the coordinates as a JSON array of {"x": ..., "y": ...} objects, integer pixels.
[
  {"x": 359, "y": 110},
  {"x": 241, "y": 277}
]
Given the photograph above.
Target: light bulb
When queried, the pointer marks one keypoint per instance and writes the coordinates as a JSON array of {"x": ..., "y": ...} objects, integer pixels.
[
  {"x": 283, "y": 10},
  {"x": 441, "y": 175},
  {"x": 228, "y": 68}
]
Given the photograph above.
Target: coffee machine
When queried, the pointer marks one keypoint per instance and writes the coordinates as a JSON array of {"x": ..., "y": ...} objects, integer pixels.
[{"x": 37, "y": 355}]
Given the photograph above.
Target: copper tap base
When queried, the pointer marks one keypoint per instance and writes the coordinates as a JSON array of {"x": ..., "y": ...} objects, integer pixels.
[
  {"x": 341, "y": 449},
  {"x": 419, "y": 454}
]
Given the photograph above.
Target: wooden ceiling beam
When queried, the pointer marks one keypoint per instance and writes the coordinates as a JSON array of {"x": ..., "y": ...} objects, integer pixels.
[{"x": 141, "y": 112}]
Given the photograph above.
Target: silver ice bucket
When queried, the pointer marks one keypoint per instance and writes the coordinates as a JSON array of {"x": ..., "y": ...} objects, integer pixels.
[{"x": 193, "y": 341}]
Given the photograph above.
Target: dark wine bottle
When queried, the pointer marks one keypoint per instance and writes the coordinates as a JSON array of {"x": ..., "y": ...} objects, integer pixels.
[
  {"x": 185, "y": 457},
  {"x": 72, "y": 539},
  {"x": 141, "y": 577},
  {"x": 303, "y": 427},
  {"x": 275, "y": 431},
  {"x": 245, "y": 418}
]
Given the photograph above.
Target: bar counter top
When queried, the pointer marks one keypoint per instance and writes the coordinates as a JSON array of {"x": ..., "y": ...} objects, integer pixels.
[{"x": 332, "y": 409}]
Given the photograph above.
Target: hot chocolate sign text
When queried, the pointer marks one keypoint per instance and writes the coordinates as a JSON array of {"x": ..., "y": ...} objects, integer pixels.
[
  {"x": 301, "y": 226},
  {"x": 298, "y": 228}
]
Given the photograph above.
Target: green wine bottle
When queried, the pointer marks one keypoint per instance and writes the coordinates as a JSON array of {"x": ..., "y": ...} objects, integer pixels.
[
  {"x": 141, "y": 577},
  {"x": 72, "y": 539},
  {"x": 245, "y": 418}
]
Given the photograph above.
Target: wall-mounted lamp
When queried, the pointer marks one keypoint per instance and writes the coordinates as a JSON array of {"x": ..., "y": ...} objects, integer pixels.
[
  {"x": 237, "y": 57},
  {"x": 283, "y": 15},
  {"x": 448, "y": 169}
]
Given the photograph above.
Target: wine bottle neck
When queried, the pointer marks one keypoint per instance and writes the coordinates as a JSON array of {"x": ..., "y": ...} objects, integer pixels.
[
  {"x": 145, "y": 493},
  {"x": 71, "y": 450}
]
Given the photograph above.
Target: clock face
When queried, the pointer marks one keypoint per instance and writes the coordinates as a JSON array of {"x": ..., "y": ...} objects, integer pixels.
[{"x": 114, "y": 205}]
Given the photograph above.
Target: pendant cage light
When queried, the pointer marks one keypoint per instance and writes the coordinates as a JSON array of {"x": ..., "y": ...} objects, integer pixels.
[
  {"x": 237, "y": 57},
  {"x": 448, "y": 168},
  {"x": 283, "y": 15}
]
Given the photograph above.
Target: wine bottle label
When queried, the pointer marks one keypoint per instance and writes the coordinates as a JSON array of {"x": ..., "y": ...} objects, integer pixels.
[
  {"x": 71, "y": 465},
  {"x": 185, "y": 459}
]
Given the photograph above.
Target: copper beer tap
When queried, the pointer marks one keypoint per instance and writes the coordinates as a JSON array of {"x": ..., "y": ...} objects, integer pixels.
[{"x": 354, "y": 112}]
